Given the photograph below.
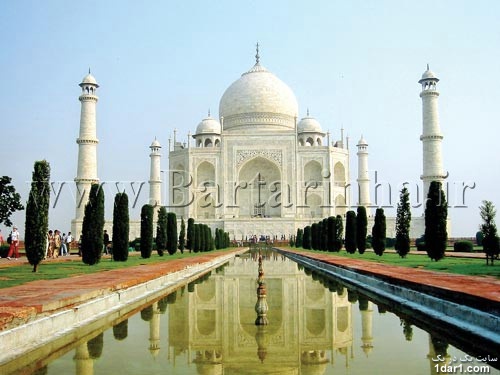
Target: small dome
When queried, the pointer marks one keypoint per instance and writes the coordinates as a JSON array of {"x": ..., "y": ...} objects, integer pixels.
[
  {"x": 155, "y": 144},
  {"x": 89, "y": 80},
  {"x": 208, "y": 126},
  {"x": 309, "y": 125},
  {"x": 428, "y": 74},
  {"x": 362, "y": 142}
]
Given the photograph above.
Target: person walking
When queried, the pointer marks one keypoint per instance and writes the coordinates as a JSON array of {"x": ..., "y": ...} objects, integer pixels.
[
  {"x": 1, "y": 238},
  {"x": 14, "y": 245},
  {"x": 64, "y": 249},
  {"x": 57, "y": 243},
  {"x": 105, "y": 241},
  {"x": 50, "y": 245},
  {"x": 69, "y": 239}
]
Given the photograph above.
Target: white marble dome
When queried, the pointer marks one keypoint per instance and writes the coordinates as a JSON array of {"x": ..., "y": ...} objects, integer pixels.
[
  {"x": 208, "y": 126},
  {"x": 258, "y": 97},
  {"x": 309, "y": 125},
  {"x": 89, "y": 80},
  {"x": 429, "y": 74}
]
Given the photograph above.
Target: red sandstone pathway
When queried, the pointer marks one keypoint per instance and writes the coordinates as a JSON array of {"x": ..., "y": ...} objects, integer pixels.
[
  {"x": 22, "y": 303},
  {"x": 479, "y": 286}
]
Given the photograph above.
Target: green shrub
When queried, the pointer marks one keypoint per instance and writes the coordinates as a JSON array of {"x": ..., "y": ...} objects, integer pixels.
[
  {"x": 463, "y": 247},
  {"x": 421, "y": 246}
]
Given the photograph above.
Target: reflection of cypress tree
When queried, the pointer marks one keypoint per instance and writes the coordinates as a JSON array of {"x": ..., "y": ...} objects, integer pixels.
[
  {"x": 147, "y": 313},
  {"x": 120, "y": 330},
  {"x": 191, "y": 287},
  {"x": 407, "y": 329},
  {"x": 382, "y": 309},
  {"x": 362, "y": 303},
  {"x": 41, "y": 371},
  {"x": 162, "y": 305},
  {"x": 352, "y": 296},
  {"x": 440, "y": 346},
  {"x": 95, "y": 346},
  {"x": 308, "y": 271},
  {"x": 172, "y": 297},
  {"x": 315, "y": 276}
]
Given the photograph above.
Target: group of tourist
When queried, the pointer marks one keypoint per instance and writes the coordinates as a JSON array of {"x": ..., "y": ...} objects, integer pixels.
[{"x": 57, "y": 244}]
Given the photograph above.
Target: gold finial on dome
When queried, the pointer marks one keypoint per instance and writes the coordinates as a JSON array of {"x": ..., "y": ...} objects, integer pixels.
[
  {"x": 209, "y": 112},
  {"x": 308, "y": 112},
  {"x": 257, "y": 56}
]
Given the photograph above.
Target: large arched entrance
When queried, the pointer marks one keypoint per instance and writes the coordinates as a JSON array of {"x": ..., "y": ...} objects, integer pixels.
[{"x": 259, "y": 189}]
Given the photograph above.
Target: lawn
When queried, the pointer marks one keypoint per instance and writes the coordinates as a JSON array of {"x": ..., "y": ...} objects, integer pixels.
[
  {"x": 463, "y": 266},
  {"x": 72, "y": 266}
]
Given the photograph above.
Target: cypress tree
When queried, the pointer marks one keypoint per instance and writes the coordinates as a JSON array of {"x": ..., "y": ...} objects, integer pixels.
[
  {"x": 436, "y": 213},
  {"x": 196, "y": 238},
  {"x": 306, "y": 240},
  {"x": 350, "y": 232},
  {"x": 37, "y": 214},
  {"x": 171, "y": 233},
  {"x": 314, "y": 236},
  {"x": 339, "y": 231},
  {"x": 120, "y": 227},
  {"x": 217, "y": 239},
  {"x": 190, "y": 235},
  {"x": 379, "y": 232},
  {"x": 182, "y": 236},
  {"x": 324, "y": 234},
  {"x": 490, "y": 240},
  {"x": 299, "y": 238},
  {"x": 161, "y": 231},
  {"x": 146, "y": 230},
  {"x": 227, "y": 241},
  {"x": 361, "y": 229},
  {"x": 93, "y": 226},
  {"x": 332, "y": 225},
  {"x": 403, "y": 219},
  {"x": 120, "y": 330}
]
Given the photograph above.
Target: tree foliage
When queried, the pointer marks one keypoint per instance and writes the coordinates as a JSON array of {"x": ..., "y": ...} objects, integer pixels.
[
  {"x": 490, "y": 241},
  {"x": 338, "y": 233},
  {"x": 361, "y": 229},
  {"x": 171, "y": 233},
  {"x": 182, "y": 236},
  {"x": 436, "y": 214},
  {"x": 350, "y": 232},
  {"x": 37, "y": 213},
  {"x": 93, "y": 226},
  {"x": 161, "y": 231},
  {"x": 121, "y": 227},
  {"x": 403, "y": 220},
  {"x": 190, "y": 235},
  {"x": 299, "y": 237},
  {"x": 379, "y": 232},
  {"x": 147, "y": 213},
  {"x": 10, "y": 201},
  {"x": 306, "y": 240}
]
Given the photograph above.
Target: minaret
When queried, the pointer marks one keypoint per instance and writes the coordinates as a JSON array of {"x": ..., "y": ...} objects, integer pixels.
[
  {"x": 366, "y": 329},
  {"x": 154, "y": 331},
  {"x": 363, "y": 175},
  {"x": 87, "y": 142},
  {"x": 431, "y": 133},
  {"x": 155, "y": 178}
]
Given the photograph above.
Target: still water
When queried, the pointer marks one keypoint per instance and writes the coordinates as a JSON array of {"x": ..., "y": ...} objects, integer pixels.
[{"x": 316, "y": 326}]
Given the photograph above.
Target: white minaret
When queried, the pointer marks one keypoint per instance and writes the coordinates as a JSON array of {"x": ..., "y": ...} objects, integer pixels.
[
  {"x": 363, "y": 175},
  {"x": 87, "y": 142},
  {"x": 431, "y": 133},
  {"x": 367, "y": 329},
  {"x": 155, "y": 177}
]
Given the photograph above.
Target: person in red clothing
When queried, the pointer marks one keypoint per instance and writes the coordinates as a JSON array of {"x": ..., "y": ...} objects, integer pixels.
[{"x": 14, "y": 245}]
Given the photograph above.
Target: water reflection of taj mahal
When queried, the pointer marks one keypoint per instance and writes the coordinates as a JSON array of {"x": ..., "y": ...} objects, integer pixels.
[{"x": 306, "y": 321}]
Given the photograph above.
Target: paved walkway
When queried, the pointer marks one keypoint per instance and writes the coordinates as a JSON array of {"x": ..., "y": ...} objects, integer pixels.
[
  {"x": 484, "y": 287},
  {"x": 23, "y": 303}
]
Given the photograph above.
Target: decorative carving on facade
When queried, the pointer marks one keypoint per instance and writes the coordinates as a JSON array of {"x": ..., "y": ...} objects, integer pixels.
[{"x": 244, "y": 155}]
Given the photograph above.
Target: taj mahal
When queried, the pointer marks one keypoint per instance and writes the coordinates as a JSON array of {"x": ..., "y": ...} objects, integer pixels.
[{"x": 258, "y": 168}]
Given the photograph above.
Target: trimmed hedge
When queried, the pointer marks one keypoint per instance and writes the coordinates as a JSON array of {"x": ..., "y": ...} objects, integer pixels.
[{"x": 463, "y": 247}]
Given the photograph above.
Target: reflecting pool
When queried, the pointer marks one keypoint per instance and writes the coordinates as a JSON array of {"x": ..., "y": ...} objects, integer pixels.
[{"x": 315, "y": 326}]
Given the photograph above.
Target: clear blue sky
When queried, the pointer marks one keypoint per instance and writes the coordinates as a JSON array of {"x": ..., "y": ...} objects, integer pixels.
[{"x": 162, "y": 64}]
